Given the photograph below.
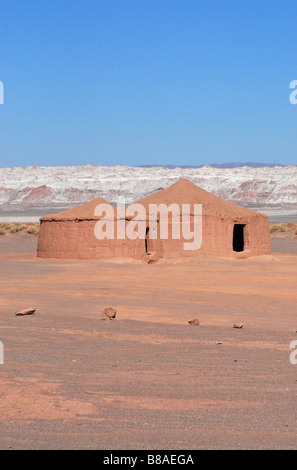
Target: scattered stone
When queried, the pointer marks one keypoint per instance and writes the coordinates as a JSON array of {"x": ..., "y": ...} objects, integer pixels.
[
  {"x": 26, "y": 311},
  {"x": 194, "y": 322},
  {"x": 238, "y": 325},
  {"x": 109, "y": 313}
]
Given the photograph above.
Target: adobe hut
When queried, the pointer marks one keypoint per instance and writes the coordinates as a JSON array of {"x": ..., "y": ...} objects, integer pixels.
[
  {"x": 227, "y": 229},
  {"x": 71, "y": 235}
]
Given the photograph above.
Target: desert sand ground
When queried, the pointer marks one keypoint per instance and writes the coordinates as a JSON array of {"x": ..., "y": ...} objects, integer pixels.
[{"x": 147, "y": 380}]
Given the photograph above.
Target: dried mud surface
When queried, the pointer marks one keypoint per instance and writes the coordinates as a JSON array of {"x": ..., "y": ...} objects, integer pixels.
[{"x": 147, "y": 380}]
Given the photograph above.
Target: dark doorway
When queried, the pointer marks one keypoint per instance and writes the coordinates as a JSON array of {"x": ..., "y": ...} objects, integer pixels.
[
  {"x": 146, "y": 237},
  {"x": 238, "y": 237}
]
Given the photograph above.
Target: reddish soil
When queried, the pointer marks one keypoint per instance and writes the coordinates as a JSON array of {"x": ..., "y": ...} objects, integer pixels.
[{"x": 148, "y": 379}]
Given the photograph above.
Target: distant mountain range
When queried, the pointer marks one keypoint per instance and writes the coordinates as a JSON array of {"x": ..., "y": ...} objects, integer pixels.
[
  {"x": 72, "y": 185},
  {"x": 220, "y": 165}
]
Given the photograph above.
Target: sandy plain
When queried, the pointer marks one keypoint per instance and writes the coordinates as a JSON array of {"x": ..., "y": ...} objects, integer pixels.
[{"x": 147, "y": 380}]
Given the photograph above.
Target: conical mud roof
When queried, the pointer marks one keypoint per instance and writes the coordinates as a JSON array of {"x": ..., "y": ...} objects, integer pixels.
[
  {"x": 185, "y": 192},
  {"x": 84, "y": 212},
  {"x": 181, "y": 192}
]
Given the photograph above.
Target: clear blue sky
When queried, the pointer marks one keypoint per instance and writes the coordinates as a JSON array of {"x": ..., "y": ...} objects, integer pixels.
[{"x": 147, "y": 81}]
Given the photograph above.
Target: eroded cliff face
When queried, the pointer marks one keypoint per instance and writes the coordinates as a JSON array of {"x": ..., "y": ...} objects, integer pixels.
[{"x": 71, "y": 185}]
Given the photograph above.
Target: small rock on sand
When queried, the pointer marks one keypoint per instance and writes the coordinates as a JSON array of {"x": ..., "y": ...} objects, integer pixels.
[
  {"x": 194, "y": 322},
  {"x": 26, "y": 311},
  {"x": 108, "y": 313},
  {"x": 238, "y": 325}
]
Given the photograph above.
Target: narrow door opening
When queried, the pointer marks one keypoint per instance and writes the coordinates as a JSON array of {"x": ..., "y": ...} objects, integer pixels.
[
  {"x": 146, "y": 237},
  {"x": 238, "y": 237}
]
